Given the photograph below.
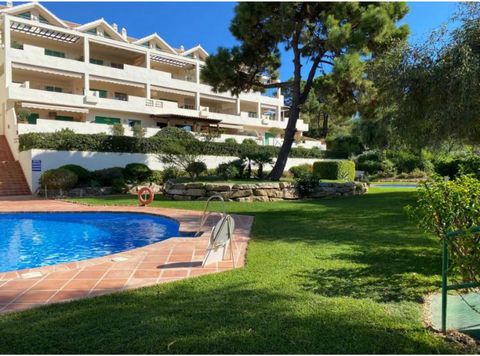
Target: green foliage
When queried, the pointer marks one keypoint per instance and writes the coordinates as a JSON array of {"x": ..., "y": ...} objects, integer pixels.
[
  {"x": 117, "y": 129},
  {"x": 306, "y": 184},
  {"x": 59, "y": 178},
  {"x": 196, "y": 168},
  {"x": 260, "y": 158},
  {"x": 119, "y": 185},
  {"x": 67, "y": 140},
  {"x": 156, "y": 177},
  {"x": 137, "y": 173},
  {"x": 301, "y": 170},
  {"x": 249, "y": 141},
  {"x": 344, "y": 146},
  {"x": 334, "y": 170},
  {"x": 228, "y": 171},
  {"x": 453, "y": 166},
  {"x": 230, "y": 140},
  {"x": 106, "y": 177},
  {"x": 175, "y": 134},
  {"x": 83, "y": 174},
  {"x": 171, "y": 173},
  {"x": 138, "y": 130},
  {"x": 445, "y": 206},
  {"x": 23, "y": 115}
]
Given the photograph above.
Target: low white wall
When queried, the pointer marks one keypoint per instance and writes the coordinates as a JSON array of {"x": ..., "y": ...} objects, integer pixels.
[{"x": 98, "y": 160}]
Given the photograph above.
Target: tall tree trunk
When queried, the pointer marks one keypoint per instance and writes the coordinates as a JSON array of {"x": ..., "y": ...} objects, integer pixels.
[
  {"x": 290, "y": 131},
  {"x": 325, "y": 125}
]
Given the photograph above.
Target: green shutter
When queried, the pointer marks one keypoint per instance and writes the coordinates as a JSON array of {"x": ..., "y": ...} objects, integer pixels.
[
  {"x": 63, "y": 118},
  {"x": 96, "y": 61},
  {"x": 51, "y": 52},
  {"x": 106, "y": 120},
  {"x": 32, "y": 118},
  {"x": 101, "y": 93},
  {"x": 52, "y": 88}
]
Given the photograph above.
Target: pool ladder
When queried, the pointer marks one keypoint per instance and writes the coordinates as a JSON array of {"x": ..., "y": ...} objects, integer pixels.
[{"x": 206, "y": 214}]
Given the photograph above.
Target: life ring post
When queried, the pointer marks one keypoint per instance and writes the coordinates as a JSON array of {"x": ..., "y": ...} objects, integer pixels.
[{"x": 145, "y": 196}]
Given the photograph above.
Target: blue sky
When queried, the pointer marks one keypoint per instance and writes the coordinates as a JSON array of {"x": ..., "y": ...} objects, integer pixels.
[{"x": 192, "y": 23}]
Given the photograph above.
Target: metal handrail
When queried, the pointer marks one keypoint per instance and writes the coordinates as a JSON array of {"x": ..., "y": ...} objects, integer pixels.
[{"x": 206, "y": 214}]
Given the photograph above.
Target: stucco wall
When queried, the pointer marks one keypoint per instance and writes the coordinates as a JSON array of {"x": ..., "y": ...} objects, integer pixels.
[{"x": 99, "y": 160}]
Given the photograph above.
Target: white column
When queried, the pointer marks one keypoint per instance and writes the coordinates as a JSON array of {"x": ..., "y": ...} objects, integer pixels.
[
  {"x": 7, "y": 42},
  {"x": 197, "y": 100},
  {"x": 279, "y": 92},
  {"x": 148, "y": 86},
  {"x": 259, "y": 110},
  {"x": 238, "y": 106},
  {"x": 86, "y": 58},
  {"x": 197, "y": 72},
  {"x": 278, "y": 113}
]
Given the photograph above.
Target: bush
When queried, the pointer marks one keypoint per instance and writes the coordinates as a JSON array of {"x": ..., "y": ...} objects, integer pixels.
[
  {"x": 301, "y": 170},
  {"x": 228, "y": 170},
  {"x": 170, "y": 173},
  {"x": 334, "y": 170},
  {"x": 174, "y": 133},
  {"x": 67, "y": 140},
  {"x": 156, "y": 177},
  {"x": 138, "y": 130},
  {"x": 137, "y": 173},
  {"x": 194, "y": 169},
  {"x": 344, "y": 146},
  {"x": 106, "y": 177},
  {"x": 445, "y": 206},
  {"x": 118, "y": 185},
  {"x": 306, "y": 184},
  {"x": 405, "y": 161},
  {"x": 118, "y": 129},
  {"x": 249, "y": 141},
  {"x": 59, "y": 178},
  {"x": 230, "y": 140},
  {"x": 455, "y": 166},
  {"x": 83, "y": 174}
]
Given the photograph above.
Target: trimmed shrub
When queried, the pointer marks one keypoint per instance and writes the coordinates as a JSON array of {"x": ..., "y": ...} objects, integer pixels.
[
  {"x": 228, "y": 170},
  {"x": 306, "y": 184},
  {"x": 194, "y": 169},
  {"x": 334, "y": 170},
  {"x": 67, "y": 140},
  {"x": 156, "y": 177},
  {"x": 456, "y": 166},
  {"x": 137, "y": 172},
  {"x": 106, "y": 177},
  {"x": 170, "y": 173},
  {"x": 119, "y": 185},
  {"x": 83, "y": 174},
  {"x": 59, "y": 178},
  {"x": 174, "y": 133},
  {"x": 230, "y": 140},
  {"x": 301, "y": 170},
  {"x": 249, "y": 141}
]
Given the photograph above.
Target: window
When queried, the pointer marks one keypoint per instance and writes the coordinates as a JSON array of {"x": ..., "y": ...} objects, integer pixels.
[
  {"x": 51, "y": 52},
  {"x": 106, "y": 120},
  {"x": 106, "y": 35},
  {"x": 92, "y": 31},
  {"x": 121, "y": 96},
  {"x": 186, "y": 128},
  {"x": 63, "y": 118},
  {"x": 16, "y": 45},
  {"x": 53, "y": 88},
  {"x": 32, "y": 118},
  {"x": 96, "y": 61},
  {"x": 117, "y": 65},
  {"x": 133, "y": 122},
  {"x": 146, "y": 44},
  {"x": 101, "y": 93},
  {"x": 162, "y": 124},
  {"x": 43, "y": 19},
  {"x": 25, "y": 15},
  {"x": 252, "y": 114}
]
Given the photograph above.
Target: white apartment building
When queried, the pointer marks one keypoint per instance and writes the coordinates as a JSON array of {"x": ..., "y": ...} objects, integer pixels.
[{"x": 87, "y": 77}]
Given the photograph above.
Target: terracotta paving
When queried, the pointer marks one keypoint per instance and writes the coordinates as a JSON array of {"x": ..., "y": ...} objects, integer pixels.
[{"x": 165, "y": 261}]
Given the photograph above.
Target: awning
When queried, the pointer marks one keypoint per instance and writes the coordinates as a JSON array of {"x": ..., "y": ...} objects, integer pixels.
[
  {"x": 179, "y": 116},
  {"x": 114, "y": 81},
  {"x": 217, "y": 98},
  {"x": 43, "y": 32},
  {"x": 45, "y": 70},
  {"x": 172, "y": 91},
  {"x": 170, "y": 61},
  {"x": 228, "y": 126},
  {"x": 54, "y": 108}
]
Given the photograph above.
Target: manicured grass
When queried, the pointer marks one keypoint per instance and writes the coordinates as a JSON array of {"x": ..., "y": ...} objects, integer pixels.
[{"x": 344, "y": 275}]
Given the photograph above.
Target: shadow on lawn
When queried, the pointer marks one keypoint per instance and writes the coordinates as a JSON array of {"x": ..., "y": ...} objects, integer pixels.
[{"x": 213, "y": 315}]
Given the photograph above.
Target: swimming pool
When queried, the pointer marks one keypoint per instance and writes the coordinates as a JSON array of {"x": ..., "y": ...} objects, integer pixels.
[{"x": 29, "y": 240}]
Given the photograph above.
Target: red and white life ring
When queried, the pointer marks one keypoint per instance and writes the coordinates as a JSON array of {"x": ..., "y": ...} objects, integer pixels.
[{"x": 144, "y": 192}]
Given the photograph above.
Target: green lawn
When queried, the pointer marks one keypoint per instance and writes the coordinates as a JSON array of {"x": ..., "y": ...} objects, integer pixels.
[{"x": 344, "y": 275}]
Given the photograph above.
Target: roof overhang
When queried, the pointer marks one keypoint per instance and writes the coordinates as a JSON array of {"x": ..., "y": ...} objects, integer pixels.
[
  {"x": 114, "y": 81},
  {"x": 180, "y": 116},
  {"x": 46, "y": 70},
  {"x": 172, "y": 91},
  {"x": 41, "y": 31}
]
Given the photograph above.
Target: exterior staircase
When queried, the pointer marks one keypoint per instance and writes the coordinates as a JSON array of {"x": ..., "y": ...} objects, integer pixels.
[{"x": 12, "y": 180}]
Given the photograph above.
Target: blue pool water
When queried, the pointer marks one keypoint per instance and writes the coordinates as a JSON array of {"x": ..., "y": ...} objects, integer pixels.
[{"x": 30, "y": 240}]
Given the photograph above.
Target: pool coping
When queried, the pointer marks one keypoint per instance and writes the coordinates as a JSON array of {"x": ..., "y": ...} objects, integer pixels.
[{"x": 165, "y": 261}]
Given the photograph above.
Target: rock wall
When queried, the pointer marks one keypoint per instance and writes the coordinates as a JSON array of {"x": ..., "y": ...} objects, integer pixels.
[{"x": 249, "y": 192}]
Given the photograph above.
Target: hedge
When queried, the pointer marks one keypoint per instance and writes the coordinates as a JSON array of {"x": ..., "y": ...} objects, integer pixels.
[
  {"x": 335, "y": 170},
  {"x": 69, "y": 141}
]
